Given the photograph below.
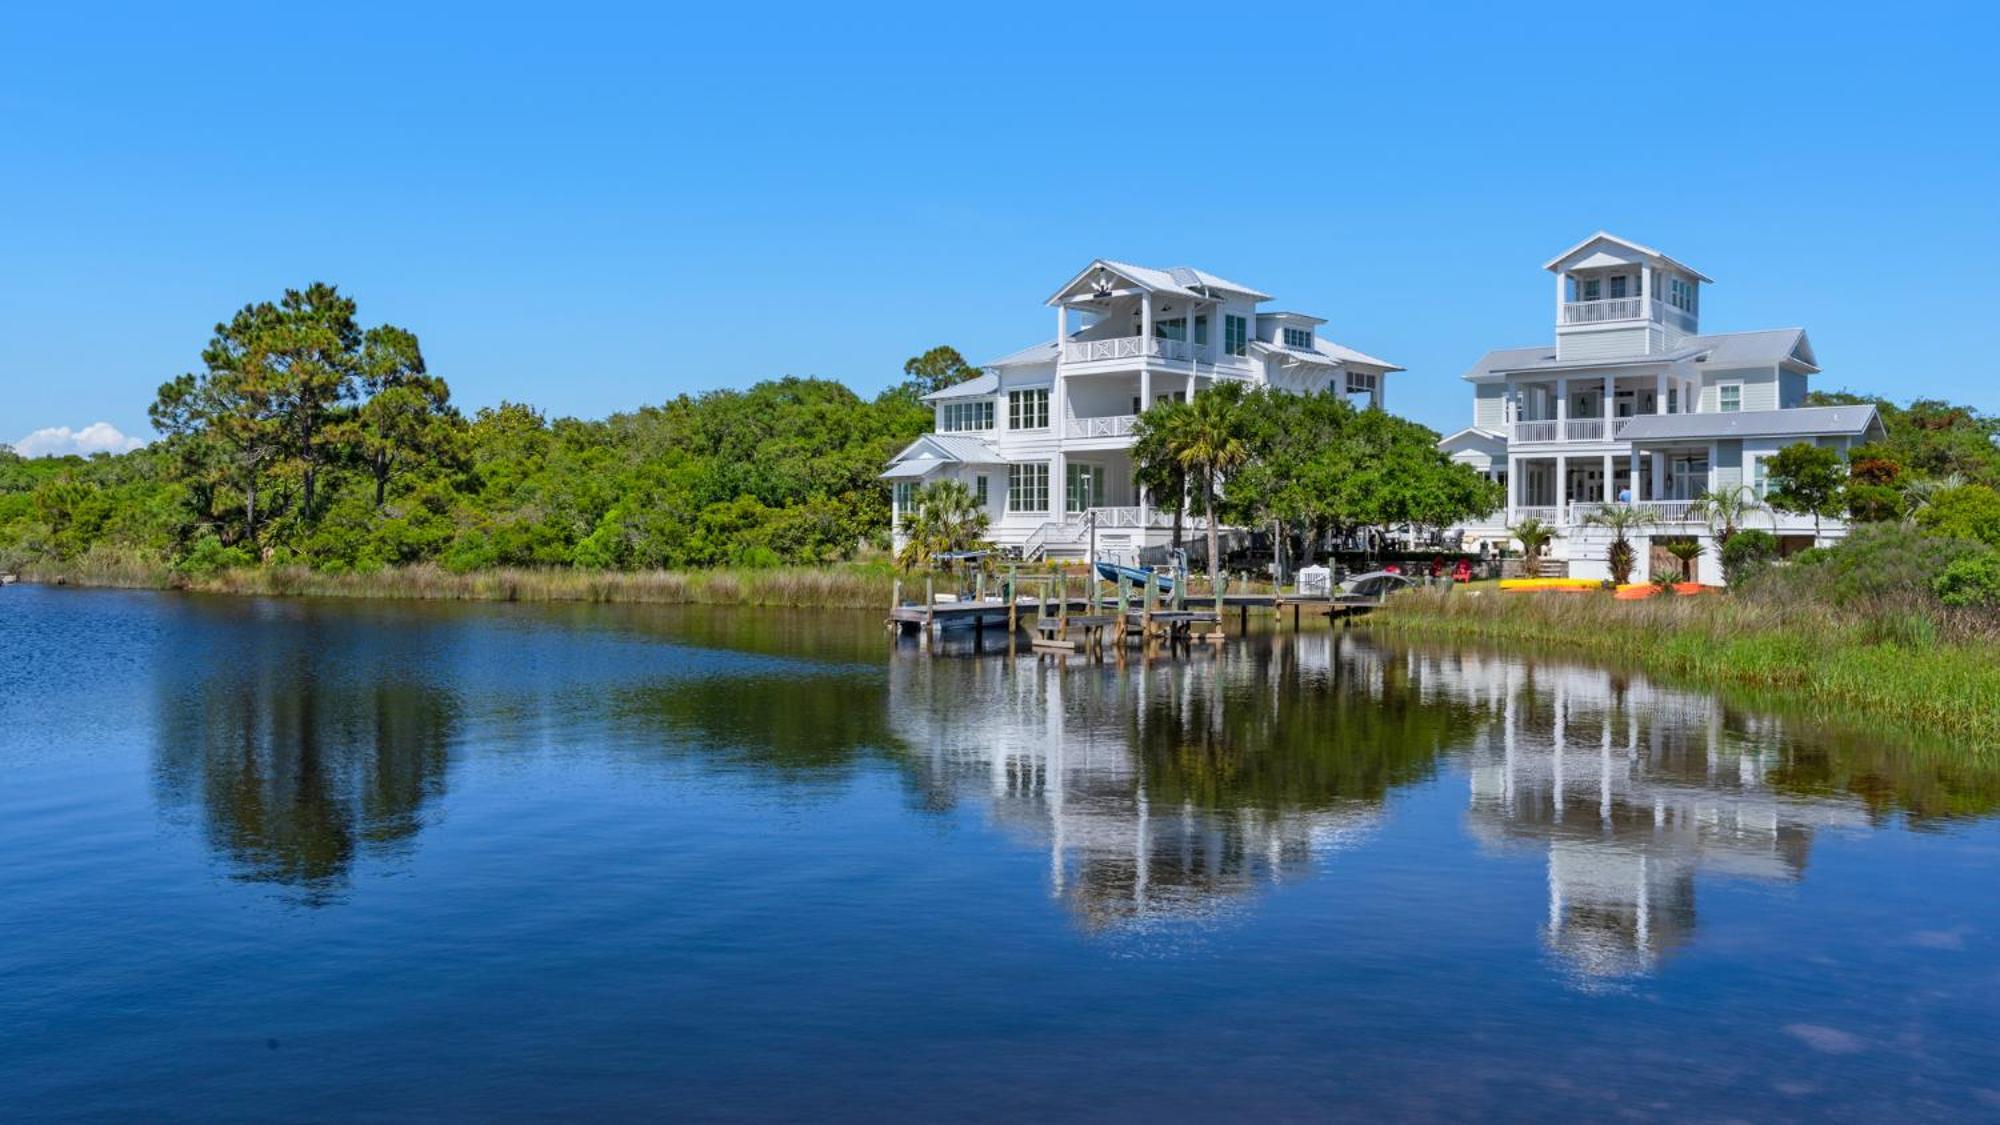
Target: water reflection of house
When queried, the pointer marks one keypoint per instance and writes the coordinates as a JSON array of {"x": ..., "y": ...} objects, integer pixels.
[
  {"x": 1091, "y": 764},
  {"x": 1633, "y": 790}
]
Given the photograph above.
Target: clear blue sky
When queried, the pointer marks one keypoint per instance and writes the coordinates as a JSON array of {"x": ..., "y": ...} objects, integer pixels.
[{"x": 592, "y": 207}]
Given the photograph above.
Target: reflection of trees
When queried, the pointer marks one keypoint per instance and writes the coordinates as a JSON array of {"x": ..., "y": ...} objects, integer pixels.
[
  {"x": 295, "y": 772},
  {"x": 802, "y": 723}
]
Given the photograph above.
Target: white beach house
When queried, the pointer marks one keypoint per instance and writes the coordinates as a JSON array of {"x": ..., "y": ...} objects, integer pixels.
[
  {"x": 1043, "y": 437},
  {"x": 1633, "y": 403}
]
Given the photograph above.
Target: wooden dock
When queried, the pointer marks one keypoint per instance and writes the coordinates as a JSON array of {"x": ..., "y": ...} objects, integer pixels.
[{"x": 1058, "y": 620}]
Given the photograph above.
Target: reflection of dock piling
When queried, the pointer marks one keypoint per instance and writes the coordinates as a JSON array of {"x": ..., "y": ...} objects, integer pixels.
[{"x": 1096, "y": 616}]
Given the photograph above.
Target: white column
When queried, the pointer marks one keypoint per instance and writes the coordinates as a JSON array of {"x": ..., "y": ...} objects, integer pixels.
[
  {"x": 1516, "y": 487},
  {"x": 1059, "y": 487},
  {"x": 1560, "y": 279},
  {"x": 1562, "y": 408},
  {"x": 1058, "y": 394},
  {"x": 1610, "y": 395},
  {"x": 1660, "y": 394},
  {"x": 1562, "y": 487},
  {"x": 1659, "y": 468},
  {"x": 1632, "y": 471},
  {"x": 1145, "y": 320},
  {"x": 1610, "y": 489}
]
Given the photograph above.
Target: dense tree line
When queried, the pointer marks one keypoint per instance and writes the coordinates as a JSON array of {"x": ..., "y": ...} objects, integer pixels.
[{"x": 306, "y": 438}]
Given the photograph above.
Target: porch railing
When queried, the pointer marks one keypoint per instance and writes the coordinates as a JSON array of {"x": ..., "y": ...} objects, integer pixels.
[
  {"x": 1594, "y": 312},
  {"x": 1114, "y": 425},
  {"x": 1584, "y": 429},
  {"x": 1137, "y": 347},
  {"x": 1536, "y": 431}
]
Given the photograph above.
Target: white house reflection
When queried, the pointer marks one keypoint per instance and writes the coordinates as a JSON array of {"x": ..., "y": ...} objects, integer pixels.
[{"x": 1174, "y": 789}]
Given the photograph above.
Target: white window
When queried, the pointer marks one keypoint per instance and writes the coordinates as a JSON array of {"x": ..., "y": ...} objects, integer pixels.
[
  {"x": 1174, "y": 329},
  {"x": 975, "y": 415},
  {"x": 1235, "y": 335},
  {"x": 979, "y": 489},
  {"x": 906, "y": 498},
  {"x": 1028, "y": 410},
  {"x": 1359, "y": 382},
  {"x": 1760, "y": 483},
  {"x": 1729, "y": 397},
  {"x": 1673, "y": 400},
  {"x": 1028, "y": 487},
  {"x": 1587, "y": 290},
  {"x": 1299, "y": 338},
  {"x": 1201, "y": 330},
  {"x": 1618, "y": 287}
]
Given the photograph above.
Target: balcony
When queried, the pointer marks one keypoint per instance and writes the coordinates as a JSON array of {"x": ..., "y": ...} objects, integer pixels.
[
  {"x": 1137, "y": 347},
  {"x": 1108, "y": 426},
  {"x": 1547, "y": 431},
  {"x": 1627, "y": 308}
]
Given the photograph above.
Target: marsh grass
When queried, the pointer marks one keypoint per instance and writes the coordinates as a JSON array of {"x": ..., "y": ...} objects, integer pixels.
[
  {"x": 848, "y": 586},
  {"x": 1916, "y": 668}
]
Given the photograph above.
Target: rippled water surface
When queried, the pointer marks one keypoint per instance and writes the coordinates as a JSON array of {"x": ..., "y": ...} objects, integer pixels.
[{"x": 323, "y": 860}]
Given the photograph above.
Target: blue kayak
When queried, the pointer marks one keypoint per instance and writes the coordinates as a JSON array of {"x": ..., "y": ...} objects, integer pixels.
[{"x": 1112, "y": 572}]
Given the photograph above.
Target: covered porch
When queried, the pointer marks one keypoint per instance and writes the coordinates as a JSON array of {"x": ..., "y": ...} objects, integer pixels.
[
  {"x": 1562, "y": 489},
  {"x": 1582, "y": 408}
]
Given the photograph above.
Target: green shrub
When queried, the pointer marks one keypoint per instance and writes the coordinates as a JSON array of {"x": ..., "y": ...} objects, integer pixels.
[
  {"x": 1968, "y": 512},
  {"x": 209, "y": 556},
  {"x": 1876, "y": 566},
  {"x": 1972, "y": 581},
  {"x": 1747, "y": 553}
]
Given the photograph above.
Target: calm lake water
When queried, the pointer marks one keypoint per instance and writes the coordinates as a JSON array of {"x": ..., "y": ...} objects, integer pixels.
[{"x": 325, "y": 860}]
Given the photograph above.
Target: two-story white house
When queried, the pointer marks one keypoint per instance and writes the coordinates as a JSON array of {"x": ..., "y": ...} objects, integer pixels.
[
  {"x": 1634, "y": 404},
  {"x": 1043, "y": 437}
]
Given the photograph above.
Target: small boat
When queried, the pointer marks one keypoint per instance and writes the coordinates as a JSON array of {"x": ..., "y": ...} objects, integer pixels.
[{"x": 1112, "y": 572}]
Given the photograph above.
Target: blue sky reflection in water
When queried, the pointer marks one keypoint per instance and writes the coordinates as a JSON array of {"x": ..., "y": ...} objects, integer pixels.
[{"x": 296, "y": 859}]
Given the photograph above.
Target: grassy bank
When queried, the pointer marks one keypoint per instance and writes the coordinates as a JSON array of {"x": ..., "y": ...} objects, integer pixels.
[
  {"x": 1897, "y": 670},
  {"x": 844, "y": 586}
]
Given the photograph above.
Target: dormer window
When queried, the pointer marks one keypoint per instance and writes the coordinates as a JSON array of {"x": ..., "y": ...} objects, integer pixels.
[{"x": 1301, "y": 338}]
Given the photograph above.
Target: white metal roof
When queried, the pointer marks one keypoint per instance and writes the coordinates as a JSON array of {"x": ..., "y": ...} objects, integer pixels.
[
  {"x": 1635, "y": 247},
  {"x": 1181, "y": 281},
  {"x": 982, "y": 384},
  {"x": 1798, "y": 421},
  {"x": 1718, "y": 352}
]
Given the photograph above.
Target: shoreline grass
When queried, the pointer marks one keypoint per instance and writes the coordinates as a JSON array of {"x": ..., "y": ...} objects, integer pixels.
[
  {"x": 1885, "y": 669},
  {"x": 841, "y": 586}
]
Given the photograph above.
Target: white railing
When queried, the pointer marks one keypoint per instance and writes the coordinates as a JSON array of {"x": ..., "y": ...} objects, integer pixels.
[
  {"x": 1679, "y": 318},
  {"x": 1114, "y": 425},
  {"x": 1536, "y": 431},
  {"x": 1577, "y": 513},
  {"x": 1594, "y": 312},
  {"x": 1136, "y": 347},
  {"x": 1583, "y": 429}
]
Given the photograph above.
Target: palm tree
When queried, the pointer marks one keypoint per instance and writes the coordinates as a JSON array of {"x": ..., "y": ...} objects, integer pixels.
[
  {"x": 1686, "y": 550},
  {"x": 1727, "y": 509},
  {"x": 1157, "y": 437},
  {"x": 1918, "y": 494},
  {"x": 1535, "y": 537},
  {"x": 1209, "y": 445},
  {"x": 945, "y": 517},
  {"x": 1620, "y": 520}
]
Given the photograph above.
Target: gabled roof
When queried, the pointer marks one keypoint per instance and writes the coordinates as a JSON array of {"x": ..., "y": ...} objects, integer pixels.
[
  {"x": 1473, "y": 436},
  {"x": 1799, "y": 421},
  {"x": 935, "y": 450},
  {"x": 1180, "y": 281},
  {"x": 1635, "y": 247},
  {"x": 1717, "y": 351},
  {"x": 985, "y": 383}
]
